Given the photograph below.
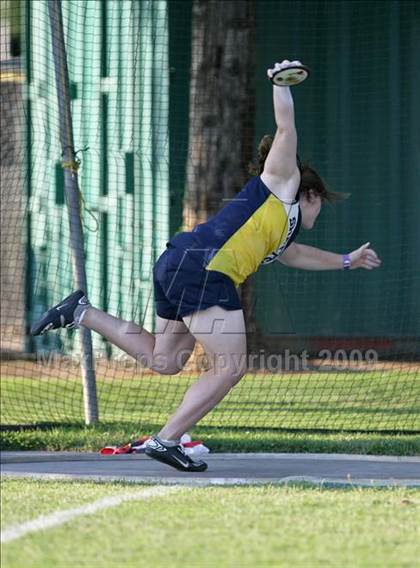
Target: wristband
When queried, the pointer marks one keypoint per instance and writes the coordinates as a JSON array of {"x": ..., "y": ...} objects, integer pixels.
[{"x": 346, "y": 262}]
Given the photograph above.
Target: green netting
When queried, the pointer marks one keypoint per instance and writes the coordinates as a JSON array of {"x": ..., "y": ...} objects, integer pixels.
[{"x": 169, "y": 99}]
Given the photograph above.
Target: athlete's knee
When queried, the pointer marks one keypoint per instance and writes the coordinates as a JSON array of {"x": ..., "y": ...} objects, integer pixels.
[
  {"x": 166, "y": 370},
  {"x": 233, "y": 372},
  {"x": 165, "y": 365},
  {"x": 228, "y": 367},
  {"x": 169, "y": 364}
]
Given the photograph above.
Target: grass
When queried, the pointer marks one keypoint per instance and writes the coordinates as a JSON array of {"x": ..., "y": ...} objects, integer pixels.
[
  {"x": 236, "y": 526},
  {"x": 347, "y": 401},
  {"x": 310, "y": 412},
  {"x": 77, "y": 437}
]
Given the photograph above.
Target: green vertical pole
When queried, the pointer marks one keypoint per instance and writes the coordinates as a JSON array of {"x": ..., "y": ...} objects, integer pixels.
[{"x": 72, "y": 196}]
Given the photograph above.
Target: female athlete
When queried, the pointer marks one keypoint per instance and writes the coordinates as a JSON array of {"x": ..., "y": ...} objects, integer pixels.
[{"x": 196, "y": 280}]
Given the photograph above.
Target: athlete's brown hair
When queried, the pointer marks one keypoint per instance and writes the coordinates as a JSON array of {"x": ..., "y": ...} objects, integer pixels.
[{"x": 310, "y": 179}]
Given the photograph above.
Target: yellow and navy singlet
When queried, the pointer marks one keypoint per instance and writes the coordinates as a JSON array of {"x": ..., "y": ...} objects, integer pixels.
[{"x": 254, "y": 228}]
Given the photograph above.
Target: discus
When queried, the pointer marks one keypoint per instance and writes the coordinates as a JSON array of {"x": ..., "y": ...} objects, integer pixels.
[{"x": 290, "y": 76}]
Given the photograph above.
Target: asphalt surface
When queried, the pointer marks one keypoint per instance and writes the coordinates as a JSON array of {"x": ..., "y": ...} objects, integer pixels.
[{"x": 224, "y": 469}]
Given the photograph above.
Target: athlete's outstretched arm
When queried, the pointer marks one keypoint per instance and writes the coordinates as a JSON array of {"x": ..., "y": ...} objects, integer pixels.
[
  {"x": 311, "y": 258},
  {"x": 280, "y": 169}
]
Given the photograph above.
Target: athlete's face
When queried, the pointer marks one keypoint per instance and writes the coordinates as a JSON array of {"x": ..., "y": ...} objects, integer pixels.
[{"x": 310, "y": 206}]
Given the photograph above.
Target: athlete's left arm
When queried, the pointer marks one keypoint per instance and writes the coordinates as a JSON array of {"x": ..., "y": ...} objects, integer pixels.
[{"x": 311, "y": 258}]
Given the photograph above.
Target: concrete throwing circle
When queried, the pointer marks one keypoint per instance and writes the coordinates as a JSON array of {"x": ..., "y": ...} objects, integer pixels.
[{"x": 224, "y": 469}]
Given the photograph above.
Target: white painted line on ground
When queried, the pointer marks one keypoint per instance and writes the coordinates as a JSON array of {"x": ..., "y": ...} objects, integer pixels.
[
  {"x": 217, "y": 481},
  {"x": 60, "y": 517}
]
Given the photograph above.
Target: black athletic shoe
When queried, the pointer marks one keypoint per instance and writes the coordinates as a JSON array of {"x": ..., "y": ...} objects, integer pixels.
[
  {"x": 173, "y": 456},
  {"x": 61, "y": 315}
]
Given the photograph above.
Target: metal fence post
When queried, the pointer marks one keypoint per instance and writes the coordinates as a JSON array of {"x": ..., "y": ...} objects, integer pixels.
[{"x": 72, "y": 193}]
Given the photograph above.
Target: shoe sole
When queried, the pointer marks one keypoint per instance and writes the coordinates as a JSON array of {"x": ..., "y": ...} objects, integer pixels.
[
  {"x": 158, "y": 456},
  {"x": 38, "y": 328}
]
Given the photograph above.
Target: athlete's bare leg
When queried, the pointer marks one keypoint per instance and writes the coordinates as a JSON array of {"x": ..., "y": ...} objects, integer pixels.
[
  {"x": 222, "y": 334},
  {"x": 166, "y": 351}
]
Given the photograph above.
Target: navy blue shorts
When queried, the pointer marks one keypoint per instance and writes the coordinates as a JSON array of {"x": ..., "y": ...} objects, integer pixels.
[{"x": 183, "y": 285}]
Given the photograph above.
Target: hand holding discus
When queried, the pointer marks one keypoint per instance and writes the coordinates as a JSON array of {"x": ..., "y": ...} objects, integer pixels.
[{"x": 288, "y": 73}]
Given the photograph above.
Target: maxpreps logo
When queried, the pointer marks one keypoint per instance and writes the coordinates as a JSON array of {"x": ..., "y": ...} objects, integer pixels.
[{"x": 292, "y": 225}]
